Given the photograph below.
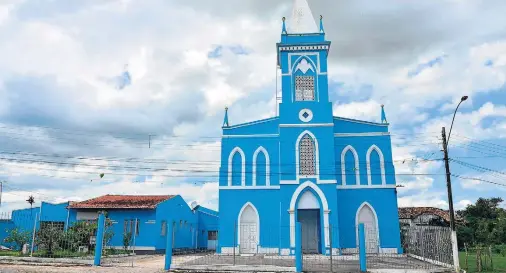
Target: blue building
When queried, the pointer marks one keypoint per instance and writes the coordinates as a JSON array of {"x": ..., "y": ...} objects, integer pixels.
[
  {"x": 327, "y": 172},
  {"x": 146, "y": 218}
]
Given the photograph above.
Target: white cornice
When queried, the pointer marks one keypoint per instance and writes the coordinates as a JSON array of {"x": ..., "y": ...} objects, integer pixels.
[{"x": 361, "y": 134}]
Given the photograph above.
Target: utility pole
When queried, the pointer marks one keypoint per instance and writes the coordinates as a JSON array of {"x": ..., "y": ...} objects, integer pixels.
[{"x": 455, "y": 248}]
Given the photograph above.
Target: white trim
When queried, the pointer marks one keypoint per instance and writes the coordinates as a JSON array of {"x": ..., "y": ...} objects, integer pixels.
[
  {"x": 306, "y": 55},
  {"x": 288, "y": 182},
  {"x": 362, "y": 121},
  {"x": 377, "y": 222},
  {"x": 308, "y": 125},
  {"x": 382, "y": 165},
  {"x": 343, "y": 164},
  {"x": 250, "y": 123},
  {"x": 329, "y": 181},
  {"x": 294, "y": 67},
  {"x": 132, "y": 247},
  {"x": 246, "y": 136},
  {"x": 309, "y": 113},
  {"x": 361, "y": 134},
  {"x": 317, "y": 155},
  {"x": 249, "y": 188},
  {"x": 267, "y": 166},
  {"x": 239, "y": 224},
  {"x": 361, "y": 187},
  {"x": 325, "y": 208},
  {"x": 268, "y": 250},
  {"x": 243, "y": 167}
]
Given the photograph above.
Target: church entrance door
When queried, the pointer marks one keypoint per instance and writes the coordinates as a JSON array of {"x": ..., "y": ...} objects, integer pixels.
[
  {"x": 248, "y": 231},
  {"x": 367, "y": 216},
  {"x": 310, "y": 224}
]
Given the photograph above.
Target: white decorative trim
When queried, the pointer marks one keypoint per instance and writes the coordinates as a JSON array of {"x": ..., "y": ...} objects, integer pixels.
[
  {"x": 133, "y": 247},
  {"x": 330, "y": 181},
  {"x": 325, "y": 208},
  {"x": 288, "y": 182},
  {"x": 309, "y": 117},
  {"x": 268, "y": 250},
  {"x": 304, "y": 66},
  {"x": 229, "y": 250},
  {"x": 285, "y": 252},
  {"x": 306, "y": 56},
  {"x": 267, "y": 166},
  {"x": 361, "y": 134},
  {"x": 375, "y": 216},
  {"x": 249, "y": 188},
  {"x": 363, "y": 187},
  {"x": 343, "y": 164},
  {"x": 250, "y": 123},
  {"x": 382, "y": 165},
  {"x": 239, "y": 223},
  {"x": 243, "y": 167},
  {"x": 297, "y": 155},
  {"x": 315, "y": 47},
  {"x": 362, "y": 121},
  {"x": 246, "y": 136},
  {"x": 308, "y": 125}
]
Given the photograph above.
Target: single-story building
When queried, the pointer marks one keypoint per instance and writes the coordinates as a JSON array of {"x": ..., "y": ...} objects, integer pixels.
[
  {"x": 146, "y": 218},
  {"x": 425, "y": 216}
]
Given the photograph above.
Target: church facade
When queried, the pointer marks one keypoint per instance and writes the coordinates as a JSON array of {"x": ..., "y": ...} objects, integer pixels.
[{"x": 305, "y": 165}]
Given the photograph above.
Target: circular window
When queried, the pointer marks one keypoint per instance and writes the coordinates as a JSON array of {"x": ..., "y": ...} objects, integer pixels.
[{"x": 305, "y": 115}]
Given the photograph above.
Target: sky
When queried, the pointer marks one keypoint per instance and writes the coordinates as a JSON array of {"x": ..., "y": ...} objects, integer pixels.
[{"x": 136, "y": 90}]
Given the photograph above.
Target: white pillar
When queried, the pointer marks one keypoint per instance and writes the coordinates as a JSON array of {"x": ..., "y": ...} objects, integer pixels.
[{"x": 455, "y": 248}]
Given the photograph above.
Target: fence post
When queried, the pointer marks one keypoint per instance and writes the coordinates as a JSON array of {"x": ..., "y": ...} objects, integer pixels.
[
  {"x": 99, "y": 239},
  {"x": 33, "y": 234},
  {"x": 298, "y": 247},
  {"x": 361, "y": 247},
  {"x": 235, "y": 240},
  {"x": 330, "y": 241},
  {"x": 168, "y": 245}
]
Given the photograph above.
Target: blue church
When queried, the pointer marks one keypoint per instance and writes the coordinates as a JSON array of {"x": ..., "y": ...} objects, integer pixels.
[{"x": 306, "y": 165}]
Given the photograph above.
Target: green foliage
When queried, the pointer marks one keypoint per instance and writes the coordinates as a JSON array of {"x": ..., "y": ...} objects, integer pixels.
[
  {"x": 485, "y": 224},
  {"x": 127, "y": 237},
  {"x": 18, "y": 238},
  {"x": 49, "y": 238}
]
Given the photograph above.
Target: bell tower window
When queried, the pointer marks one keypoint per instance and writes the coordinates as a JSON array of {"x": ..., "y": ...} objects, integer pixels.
[{"x": 304, "y": 88}]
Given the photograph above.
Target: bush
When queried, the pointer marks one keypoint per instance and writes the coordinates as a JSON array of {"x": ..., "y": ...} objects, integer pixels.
[{"x": 18, "y": 238}]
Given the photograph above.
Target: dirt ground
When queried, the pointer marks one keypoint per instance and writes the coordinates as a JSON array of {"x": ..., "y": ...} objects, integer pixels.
[{"x": 147, "y": 265}]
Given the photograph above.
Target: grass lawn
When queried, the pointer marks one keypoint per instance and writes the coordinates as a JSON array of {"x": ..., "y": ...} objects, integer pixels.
[
  {"x": 10, "y": 253},
  {"x": 499, "y": 263}
]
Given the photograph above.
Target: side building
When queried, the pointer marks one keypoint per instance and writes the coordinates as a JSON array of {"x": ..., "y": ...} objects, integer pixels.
[{"x": 146, "y": 218}]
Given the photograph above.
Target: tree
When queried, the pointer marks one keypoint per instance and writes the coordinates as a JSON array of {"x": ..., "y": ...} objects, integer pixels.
[
  {"x": 127, "y": 237},
  {"x": 485, "y": 223},
  {"x": 18, "y": 238},
  {"x": 49, "y": 237}
]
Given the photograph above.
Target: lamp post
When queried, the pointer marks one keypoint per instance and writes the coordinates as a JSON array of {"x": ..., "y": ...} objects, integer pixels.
[{"x": 449, "y": 188}]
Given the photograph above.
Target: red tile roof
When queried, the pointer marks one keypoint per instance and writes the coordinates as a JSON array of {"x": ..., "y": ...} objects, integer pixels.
[
  {"x": 412, "y": 212},
  {"x": 122, "y": 202}
]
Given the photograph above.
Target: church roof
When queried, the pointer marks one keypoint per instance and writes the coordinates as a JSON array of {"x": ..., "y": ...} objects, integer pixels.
[{"x": 302, "y": 19}]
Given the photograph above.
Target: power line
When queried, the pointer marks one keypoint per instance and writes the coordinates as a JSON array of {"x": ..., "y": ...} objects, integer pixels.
[{"x": 479, "y": 179}]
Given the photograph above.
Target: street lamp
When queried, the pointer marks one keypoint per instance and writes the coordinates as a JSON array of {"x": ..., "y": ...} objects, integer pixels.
[
  {"x": 464, "y": 98},
  {"x": 455, "y": 248}
]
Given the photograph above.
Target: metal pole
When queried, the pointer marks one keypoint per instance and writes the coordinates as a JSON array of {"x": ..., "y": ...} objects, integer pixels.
[
  {"x": 298, "y": 247},
  {"x": 99, "y": 239},
  {"x": 133, "y": 242},
  {"x": 330, "y": 241},
  {"x": 455, "y": 249},
  {"x": 33, "y": 234},
  {"x": 361, "y": 248},
  {"x": 169, "y": 245},
  {"x": 235, "y": 240}
]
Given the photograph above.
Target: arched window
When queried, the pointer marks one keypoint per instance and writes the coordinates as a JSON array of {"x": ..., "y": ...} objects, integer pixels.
[
  {"x": 379, "y": 169},
  {"x": 349, "y": 166},
  {"x": 307, "y": 156},
  {"x": 236, "y": 167},
  {"x": 261, "y": 168}
]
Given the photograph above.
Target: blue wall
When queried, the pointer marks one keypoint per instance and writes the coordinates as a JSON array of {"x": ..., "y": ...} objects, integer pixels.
[{"x": 5, "y": 226}]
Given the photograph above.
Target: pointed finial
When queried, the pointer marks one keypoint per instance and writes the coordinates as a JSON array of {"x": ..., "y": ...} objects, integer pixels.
[
  {"x": 321, "y": 24},
  {"x": 284, "y": 26},
  {"x": 225, "y": 120},
  {"x": 383, "y": 115}
]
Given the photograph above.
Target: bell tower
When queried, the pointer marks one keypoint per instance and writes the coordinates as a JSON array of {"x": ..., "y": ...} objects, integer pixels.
[{"x": 302, "y": 56}]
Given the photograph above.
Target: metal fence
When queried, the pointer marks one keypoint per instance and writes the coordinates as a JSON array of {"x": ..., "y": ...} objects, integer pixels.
[
  {"x": 423, "y": 248},
  {"x": 27, "y": 235}
]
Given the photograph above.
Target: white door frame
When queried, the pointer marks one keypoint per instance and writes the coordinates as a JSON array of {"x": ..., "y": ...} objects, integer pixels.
[
  {"x": 375, "y": 218},
  {"x": 239, "y": 224}
]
